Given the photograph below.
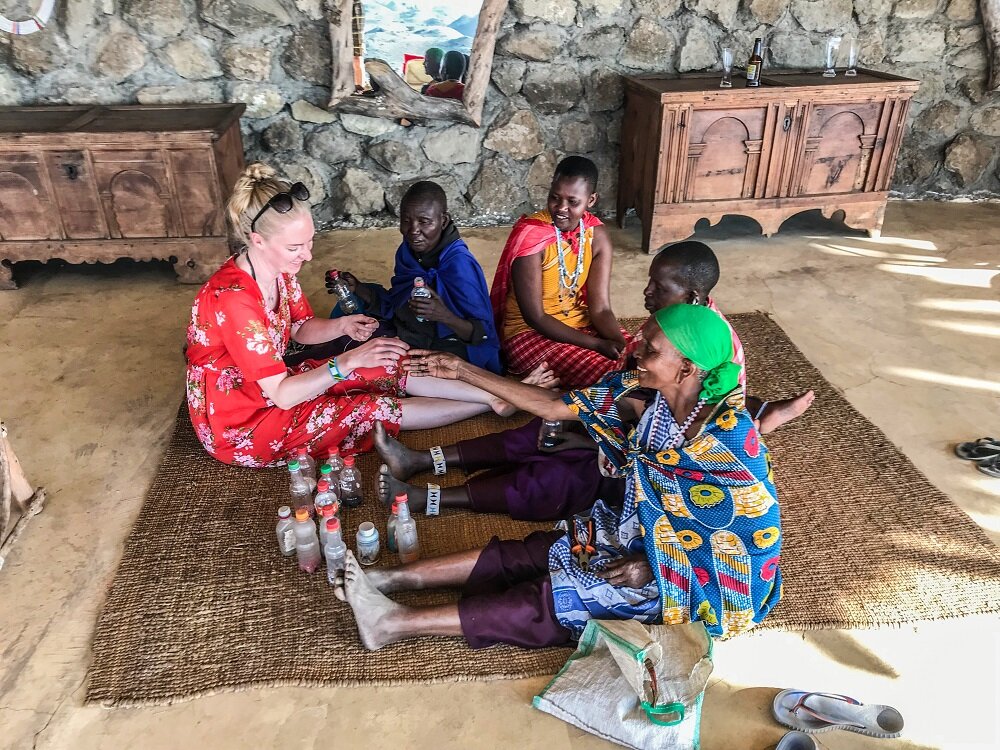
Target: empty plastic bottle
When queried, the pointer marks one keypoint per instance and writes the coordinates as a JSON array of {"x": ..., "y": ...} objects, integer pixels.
[
  {"x": 335, "y": 551},
  {"x": 406, "y": 535},
  {"x": 328, "y": 512},
  {"x": 336, "y": 464},
  {"x": 299, "y": 487},
  {"x": 350, "y": 303},
  {"x": 390, "y": 526},
  {"x": 307, "y": 466},
  {"x": 307, "y": 548},
  {"x": 350, "y": 484},
  {"x": 285, "y": 531},
  {"x": 325, "y": 495},
  {"x": 420, "y": 291}
]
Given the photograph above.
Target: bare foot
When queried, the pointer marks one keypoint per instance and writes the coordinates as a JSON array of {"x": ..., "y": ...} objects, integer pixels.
[
  {"x": 778, "y": 413},
  {"x": 373, "y": 610},
  {"x": 502, "y": 408},
  {"x": 389, "y": 487},
  {"x": 543, "y": 377},
  {"x": 403, "y": 463}
]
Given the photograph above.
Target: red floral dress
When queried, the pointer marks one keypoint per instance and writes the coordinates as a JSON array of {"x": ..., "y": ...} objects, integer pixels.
[{"x": 233, "y": 342}]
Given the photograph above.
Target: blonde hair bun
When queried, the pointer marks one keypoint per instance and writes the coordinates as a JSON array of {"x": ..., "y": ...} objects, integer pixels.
[
  {"x": 256, "y": 185},
  {"x": 259, "y": 172}
]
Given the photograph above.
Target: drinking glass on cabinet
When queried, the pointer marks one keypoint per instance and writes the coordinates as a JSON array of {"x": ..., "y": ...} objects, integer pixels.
[
  {"x": 832, "y": 47},
  {"x": 852, "y": 58},
  {"x": 727, "y": 68}
]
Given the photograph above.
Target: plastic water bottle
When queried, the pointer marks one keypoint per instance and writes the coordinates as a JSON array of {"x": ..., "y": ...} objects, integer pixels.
[
  {"x": 350, "y": 303},
  {"x": 299, "y": 487},
  {"x": 336, "y": 464},
  {"x": 334, "y": 550},
  {"x": 549, "y": 433},
  {"x": 350, "y": 484},
  {"x": 285, "y": 531},
  {"x": 325, "y": 495},
  {"x": 420, "y": 291},
  {"x": 390, "y": 526},
  {"x": 329, "y": 511},
  {"x": 406, "y": 535},
  {"x": 306, "y": 542},
  {"x": 368, "y": 546},
  {"x": 307, "y": 466}
]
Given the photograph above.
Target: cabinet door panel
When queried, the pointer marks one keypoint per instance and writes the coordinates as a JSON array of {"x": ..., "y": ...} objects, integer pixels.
[
  {"x": 76, "y": 192},
  {"x": 26, "y": 211},
  {"x": 199, "y": 200},
  {"x": 136, "y": 195},
  {"x": 723, "y": 153},
  {"x": 838, "y": 148}
]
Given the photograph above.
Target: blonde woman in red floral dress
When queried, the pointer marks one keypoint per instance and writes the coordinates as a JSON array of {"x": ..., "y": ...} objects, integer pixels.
[{"x": 248, "y": 408}]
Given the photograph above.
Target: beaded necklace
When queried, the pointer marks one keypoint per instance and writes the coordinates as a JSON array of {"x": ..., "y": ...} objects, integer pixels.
[{"x": 569, "y": 281}]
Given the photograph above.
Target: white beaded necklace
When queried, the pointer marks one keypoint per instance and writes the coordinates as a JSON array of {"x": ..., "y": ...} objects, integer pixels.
[
  {"x": 566, "y": 280},
  {"x": 682, "y": 429}
]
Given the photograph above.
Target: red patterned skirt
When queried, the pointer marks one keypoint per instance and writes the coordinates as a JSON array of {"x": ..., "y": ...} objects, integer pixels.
[{"x": 574, "y": 366}]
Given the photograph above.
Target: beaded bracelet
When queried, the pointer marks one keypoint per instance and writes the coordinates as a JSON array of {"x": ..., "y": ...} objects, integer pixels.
[{"x": 338, "y": 376}]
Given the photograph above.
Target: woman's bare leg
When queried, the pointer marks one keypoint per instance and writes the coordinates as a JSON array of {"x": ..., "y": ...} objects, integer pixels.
[
  {"x": 389, "y": 487},
  {"x": 424, "y": 413},
  {"x": 456, "y": 390},
  {"x": 404, "y": 462},
  {"x": 445, "y": 571}
]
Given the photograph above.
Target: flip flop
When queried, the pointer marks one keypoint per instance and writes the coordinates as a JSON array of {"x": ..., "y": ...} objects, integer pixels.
[
  {"x": 823, "y": 712},
  {"x": 990, "y": 466},
  {"x": 980, "y": 450},
  {"x": 797, "y": 741}
]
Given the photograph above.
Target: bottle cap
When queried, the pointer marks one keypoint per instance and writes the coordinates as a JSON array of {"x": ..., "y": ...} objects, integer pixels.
[
  {"x": 401, "y": 498},
  {"x": 419, "y": 281},
  {"x": 293, "y": 465},
  {"x": 326, "y": 469},
  {"x": 367, "y": 532},
  {"x": 303, "y": 451},
  {"x": 323, "y": 485},
  {"x": 284, "y": 512},
  {"x": 332, "y": 524},
  {"x": 348, "y": 460},
  {"x": 395, "y": 507},
  {"x": 334, "y": 452},
  {"x": 302, "y": 514},
  {"x": 334, "y": 273},
  {"x": 327, "y": 511}
]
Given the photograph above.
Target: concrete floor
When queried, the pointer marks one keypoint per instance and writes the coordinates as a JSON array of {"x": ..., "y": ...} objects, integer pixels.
[{"x": 907, "y": 326}]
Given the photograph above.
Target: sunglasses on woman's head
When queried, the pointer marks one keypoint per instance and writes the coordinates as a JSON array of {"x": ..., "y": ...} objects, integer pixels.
[{"x": 282, "y": 202}]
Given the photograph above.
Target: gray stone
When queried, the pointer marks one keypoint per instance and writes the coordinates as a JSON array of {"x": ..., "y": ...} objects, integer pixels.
[
  {"x": 540, "y": 179},
  {"x": 552, "y": 89},
  {"x": 307, "y": 56},
  {"x": 605, "y": 90},
  {"x": 911, "y": 9},
  {"x": 80, "y": 18},
  {"x": 303, "y": 111},
  {"x": 700, "y": 50},
  {"x": 100, "y": 91},
  {"x": 823, "y": 15},
  {"x": 262, "y": 100},
  {"x": 768, "y": 11},
  {"x": 37, "y": 54},
  {"x": 192, "y": 59},
  {"x": 498, "y": 190},
  {"x": 282, "y": 135},
  {"x": 454, "y": 190},
  {"x": 915, "y": 165},
  {"x": 195, "y": 92},
  {"x": 987, "y": 121},
  {"x": 302, "y": 169},
  {"x": 967, "y": 158},
  {"x": 915, "y": 43},
  {"x": 538, "y": 42},
  {"x": 508, "y": 74},
  {"x": 458, "y": 144},
  {"x": 973, "y": 58},
  {"x": 601, "y": 8},
  {"x": 121, "y": 55},
  {"x": 963, "y": 11},
  {"x": 396, "y": 156},
  {"x": 942, "y": 118},
  {"x": 370, "y": 126},
  {"x": 959, "y": 37},
  {"x": 661, "y": 9},
  {"x": 974, "y": 89},
  {"x": 238, "y": 16},
  {"x": 871, "y": 12},
  {"x": 794, "y": 50},
  {"x": 311, "y": 8},
  {"x": 723, "y": 11},
  {"x": 872, "y": 47},
  {"x": 332, "y": 145},
  {"x": 358, "y": 194},
  {"x": 163, "y": 18},
  {"x": 603, "y": 43},
  {"x": 649, "y": 45},
  {"x": 520, "y": 136},
  {"x": 247, "y": 63},
  {"x": 562, "y": 12},
  {"x": 579, "y": 136},
  {"x": 11, "y": 88}
]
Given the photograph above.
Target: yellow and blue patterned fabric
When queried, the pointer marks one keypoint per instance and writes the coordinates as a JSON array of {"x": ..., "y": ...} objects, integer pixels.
[{"x": 707, "y": 510}]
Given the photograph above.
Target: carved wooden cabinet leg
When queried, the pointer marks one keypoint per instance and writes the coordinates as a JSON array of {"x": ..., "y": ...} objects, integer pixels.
[
  {"x": 7, "y": 275},
  {"x": 770, "y": 221},
  {"x": 191, "y": 271}
]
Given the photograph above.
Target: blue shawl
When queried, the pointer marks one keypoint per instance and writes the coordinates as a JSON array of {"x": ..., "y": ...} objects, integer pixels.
[{"x": 459, "y": 281}]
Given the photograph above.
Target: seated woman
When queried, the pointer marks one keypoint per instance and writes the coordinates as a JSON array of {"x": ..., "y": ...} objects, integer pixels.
[
  {"x": 457, "y": 318},
  {"x": 247, "y": 406},
  {"x": 552, "y": 289},
  {"x": 698, "y": 536},
  {"x": 450, "y": 86},
  {"x": 531, "y": 482}
]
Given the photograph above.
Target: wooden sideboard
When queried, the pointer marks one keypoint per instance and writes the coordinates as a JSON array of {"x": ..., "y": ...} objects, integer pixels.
[
  {"x": 691, "y": 150},
  {"x": 93, "y": 184}
]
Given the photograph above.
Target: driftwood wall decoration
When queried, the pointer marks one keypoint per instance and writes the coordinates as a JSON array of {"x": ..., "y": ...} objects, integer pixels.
[
  {"x": 396, "y": 99},
  {"x": 990, "y": 10}
]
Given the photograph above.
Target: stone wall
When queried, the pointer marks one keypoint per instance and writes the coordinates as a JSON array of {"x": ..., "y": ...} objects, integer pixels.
[{"x": 555, "y": 87}]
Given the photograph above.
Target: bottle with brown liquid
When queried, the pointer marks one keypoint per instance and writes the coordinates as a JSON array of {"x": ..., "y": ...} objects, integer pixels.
[{"x": 755, "y": 66}]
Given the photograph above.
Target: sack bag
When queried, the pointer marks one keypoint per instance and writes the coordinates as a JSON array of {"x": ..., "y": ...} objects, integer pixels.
[{"x": 638, "y": 686}]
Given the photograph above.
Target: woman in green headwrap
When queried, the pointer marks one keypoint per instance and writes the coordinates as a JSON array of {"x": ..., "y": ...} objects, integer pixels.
[{"x": 697, "y": 537}]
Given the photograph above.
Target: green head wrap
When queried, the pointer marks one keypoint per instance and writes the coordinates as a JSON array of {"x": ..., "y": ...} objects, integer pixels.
[{"x": 701, "y": 335}]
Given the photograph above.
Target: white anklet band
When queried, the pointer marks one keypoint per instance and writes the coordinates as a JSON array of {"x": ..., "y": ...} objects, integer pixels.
[
  {"x": 437, "y": 456},
  {"x": 433, "y": 499}
]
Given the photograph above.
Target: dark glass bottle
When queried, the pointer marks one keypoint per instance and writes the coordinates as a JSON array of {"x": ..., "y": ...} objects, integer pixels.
[{"x": 755, "y": 66}]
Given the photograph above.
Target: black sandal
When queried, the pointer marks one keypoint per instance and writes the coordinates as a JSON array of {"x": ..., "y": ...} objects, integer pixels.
[{"x": 981, "y": 450}]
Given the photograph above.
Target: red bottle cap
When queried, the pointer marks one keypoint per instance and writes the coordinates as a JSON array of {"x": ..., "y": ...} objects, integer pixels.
[
  {"x": 402, "y": 498},
  {"x": 332, "y": 524},
  {"x": 348, "y": 460},
  {"x": 323, "y": 485},
  {"x": 395, "y": 507},
  {"x": 328, "y": 510}
]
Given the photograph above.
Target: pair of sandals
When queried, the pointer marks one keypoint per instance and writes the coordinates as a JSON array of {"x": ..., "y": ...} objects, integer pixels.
[
  {"x": 985, "y": 452},
  {"x": 811, "y": 713}
]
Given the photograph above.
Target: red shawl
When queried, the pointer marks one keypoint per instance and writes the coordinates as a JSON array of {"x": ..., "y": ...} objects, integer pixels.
[{"x": 530, "y": 235}]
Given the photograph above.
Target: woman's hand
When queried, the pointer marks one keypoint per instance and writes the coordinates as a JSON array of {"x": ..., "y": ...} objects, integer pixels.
[
  {"x": 431, "y": 308},
  {"x": 610, "y": 349},
  {"x": 423, "y": 363},
  {"x": 358, "y": 327},
  {"x": 355, "y": 286},
  {"x": 632, "y": 572},
  {"x": 380, "y": 352}
]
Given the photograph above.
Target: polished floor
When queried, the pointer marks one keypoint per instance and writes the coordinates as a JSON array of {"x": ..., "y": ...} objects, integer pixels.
[{"x": 907, "y": 326}]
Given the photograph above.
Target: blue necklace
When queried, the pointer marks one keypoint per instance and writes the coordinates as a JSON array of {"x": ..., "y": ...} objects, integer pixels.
[{"x": 569, "y": 281}]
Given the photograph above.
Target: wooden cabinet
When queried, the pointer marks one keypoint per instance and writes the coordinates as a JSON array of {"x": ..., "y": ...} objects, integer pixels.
[
  {"x": 93, "y": 184},
  {"x": 692, "y": 151}
]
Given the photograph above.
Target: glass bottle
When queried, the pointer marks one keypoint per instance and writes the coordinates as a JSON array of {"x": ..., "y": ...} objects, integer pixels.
[{"x": 755, "y": 66}]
